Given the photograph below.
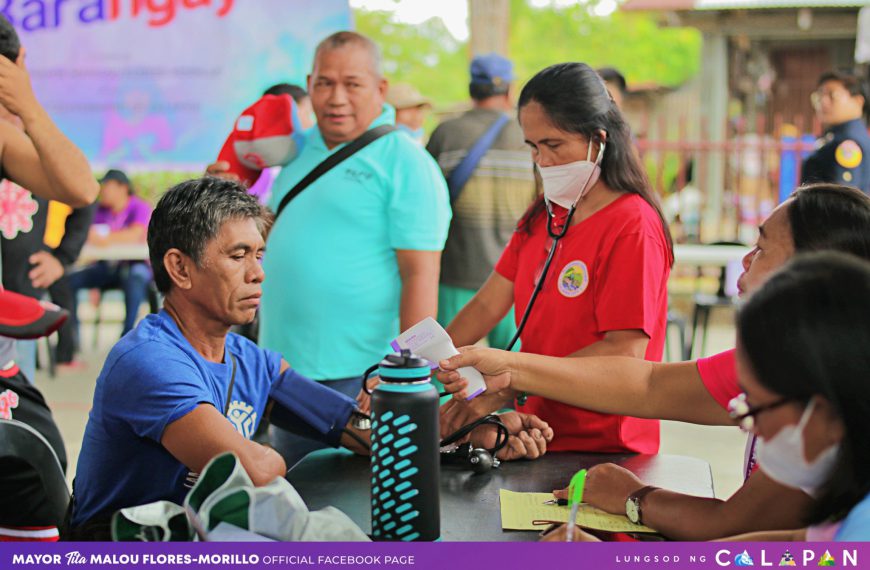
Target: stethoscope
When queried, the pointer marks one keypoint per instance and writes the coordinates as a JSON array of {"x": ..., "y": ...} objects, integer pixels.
[{"x": 555, "y": 234}]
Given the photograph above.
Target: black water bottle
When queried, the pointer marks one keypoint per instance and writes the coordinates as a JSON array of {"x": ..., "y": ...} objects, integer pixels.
[{"x": 405, "y": 453}]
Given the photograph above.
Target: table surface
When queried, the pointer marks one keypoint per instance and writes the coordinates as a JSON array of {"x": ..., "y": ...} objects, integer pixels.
[
  {"x": 689, "y": 254},
  {"x": 470, "y": 509},
  {"x": 116, "y": 252},
  {"x": 699, "y": 254}
]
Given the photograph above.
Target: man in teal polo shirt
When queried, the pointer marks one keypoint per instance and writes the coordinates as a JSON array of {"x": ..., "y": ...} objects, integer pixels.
[{"x": 355, "y": 257}]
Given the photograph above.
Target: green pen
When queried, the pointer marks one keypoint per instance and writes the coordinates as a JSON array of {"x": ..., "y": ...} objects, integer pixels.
[{"x": 575, "y": 497}]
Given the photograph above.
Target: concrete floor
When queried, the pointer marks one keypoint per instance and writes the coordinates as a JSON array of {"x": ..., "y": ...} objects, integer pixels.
[{"x": 70, "y": 395}]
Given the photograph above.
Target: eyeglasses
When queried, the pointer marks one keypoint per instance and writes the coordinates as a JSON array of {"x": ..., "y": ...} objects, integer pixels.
[
  {"x": 816, "y": 97},
  {"x": 743, "y": 414}
]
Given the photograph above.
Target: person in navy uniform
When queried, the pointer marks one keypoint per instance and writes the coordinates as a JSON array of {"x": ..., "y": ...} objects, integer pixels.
[{"x": 841, "y": 153}]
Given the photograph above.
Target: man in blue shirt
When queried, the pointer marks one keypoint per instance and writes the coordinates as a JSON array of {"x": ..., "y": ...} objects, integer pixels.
[
  {"x": 179, "y": 389},
  {"x": 355, "y": 258}
]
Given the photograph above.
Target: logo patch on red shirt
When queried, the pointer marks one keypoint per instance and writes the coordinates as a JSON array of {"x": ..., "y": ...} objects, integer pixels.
[{"x": 573, "y": 279}]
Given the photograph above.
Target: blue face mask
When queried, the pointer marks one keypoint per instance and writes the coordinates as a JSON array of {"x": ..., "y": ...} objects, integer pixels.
[{"x": 416, "y": 134}]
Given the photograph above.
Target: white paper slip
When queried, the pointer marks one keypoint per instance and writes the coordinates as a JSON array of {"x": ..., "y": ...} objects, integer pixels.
[{"x": 429, "y": 339}]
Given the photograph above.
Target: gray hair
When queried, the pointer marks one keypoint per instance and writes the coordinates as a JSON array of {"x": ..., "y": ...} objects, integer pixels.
[
  {"x": 339, "y": 40},
  {"x": 191, "y": 214}
]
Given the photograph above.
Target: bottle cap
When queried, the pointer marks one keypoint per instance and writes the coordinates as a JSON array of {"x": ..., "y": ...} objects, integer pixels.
[{"x": 404, "y": 366}]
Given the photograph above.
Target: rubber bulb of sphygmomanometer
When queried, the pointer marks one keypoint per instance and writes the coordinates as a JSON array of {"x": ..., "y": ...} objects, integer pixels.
[{"x": 481, "y": 460}]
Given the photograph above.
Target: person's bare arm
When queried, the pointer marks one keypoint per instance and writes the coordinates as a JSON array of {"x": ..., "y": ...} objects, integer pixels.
[
  {"x": 761, "y": 504},
  {"x": 616, "y": 343},
  {"x": 483, "y": 312},
  {"x": 419, "y": 272},
  {"x": 199, "y": 436},
  {"x": 44, "y": 160},
  {"x": 607, "y": 384}
]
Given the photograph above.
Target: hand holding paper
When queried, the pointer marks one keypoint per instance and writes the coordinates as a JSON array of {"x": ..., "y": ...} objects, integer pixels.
[{"x": 429, "y": 339}]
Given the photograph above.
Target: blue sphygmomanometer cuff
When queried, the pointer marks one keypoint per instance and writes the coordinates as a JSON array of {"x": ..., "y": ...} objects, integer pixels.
[{"x": 308, "y": 408}]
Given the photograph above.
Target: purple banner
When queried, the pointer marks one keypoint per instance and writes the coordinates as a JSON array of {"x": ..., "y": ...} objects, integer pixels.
[{"x": 440, "y": 556}]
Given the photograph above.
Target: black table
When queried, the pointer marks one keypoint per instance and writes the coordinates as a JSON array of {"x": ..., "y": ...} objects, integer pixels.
[{"x": 470, "y": 503}]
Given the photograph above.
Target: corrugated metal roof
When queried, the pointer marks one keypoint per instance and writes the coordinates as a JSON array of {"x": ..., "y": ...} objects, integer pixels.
[{"x": 638, "y": 5}]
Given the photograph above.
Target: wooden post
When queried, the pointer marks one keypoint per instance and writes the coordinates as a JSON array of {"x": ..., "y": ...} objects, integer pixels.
[
  {"x": 489, "y": 24},
  {"x": 714, "y": 106}
]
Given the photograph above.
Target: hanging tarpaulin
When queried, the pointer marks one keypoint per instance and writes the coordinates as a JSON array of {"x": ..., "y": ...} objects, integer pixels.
[{"x": 154, "y": 85}]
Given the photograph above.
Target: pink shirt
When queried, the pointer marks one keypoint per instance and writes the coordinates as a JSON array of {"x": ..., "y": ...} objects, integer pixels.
[{"x": 138, "y": 211}]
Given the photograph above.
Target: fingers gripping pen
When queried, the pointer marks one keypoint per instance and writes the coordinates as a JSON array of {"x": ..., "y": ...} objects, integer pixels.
[{"x": 575, "y": 496}]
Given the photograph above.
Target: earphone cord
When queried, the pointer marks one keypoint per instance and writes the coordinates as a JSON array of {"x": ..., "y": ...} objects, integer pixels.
[{"x": 538, "y": 287}]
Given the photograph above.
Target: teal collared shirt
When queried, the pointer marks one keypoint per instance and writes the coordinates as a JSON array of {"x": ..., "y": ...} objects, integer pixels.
[{"x": 332, "y": 289}]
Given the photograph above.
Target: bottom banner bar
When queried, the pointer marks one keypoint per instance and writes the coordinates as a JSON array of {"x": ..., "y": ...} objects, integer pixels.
[{"x": 440, "y": 556}]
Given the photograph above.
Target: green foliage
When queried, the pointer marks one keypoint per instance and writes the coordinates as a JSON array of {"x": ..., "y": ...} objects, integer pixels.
[
  {"x": 426, "y": 55},
  {"x": 152, "y": 185},
  {"x": 431, "y": 59},
  {"x": 630, "y": 42}
]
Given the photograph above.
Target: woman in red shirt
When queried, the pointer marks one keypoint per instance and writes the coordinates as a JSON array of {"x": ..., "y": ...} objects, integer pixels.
[{"x": 606, "y": 289}]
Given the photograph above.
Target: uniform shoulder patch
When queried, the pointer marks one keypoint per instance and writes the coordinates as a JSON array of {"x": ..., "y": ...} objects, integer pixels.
[{"x": 848, "y": 154}]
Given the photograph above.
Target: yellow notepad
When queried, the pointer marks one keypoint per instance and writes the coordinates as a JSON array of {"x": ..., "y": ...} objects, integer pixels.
[{"x": 518, "y": 510}]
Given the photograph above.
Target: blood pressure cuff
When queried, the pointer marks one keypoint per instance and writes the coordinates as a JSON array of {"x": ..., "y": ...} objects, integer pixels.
[{"x": 309, "y": 409}]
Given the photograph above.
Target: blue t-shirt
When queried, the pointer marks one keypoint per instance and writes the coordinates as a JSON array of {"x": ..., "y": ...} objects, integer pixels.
[
  {"x": 151, "y": 378},
  {"x": 856, "y": 525},
  {"x": 332, "y": 289}
]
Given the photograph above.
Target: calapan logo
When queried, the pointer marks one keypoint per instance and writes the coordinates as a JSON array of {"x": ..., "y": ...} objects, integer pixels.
[
  {"x": 243, "y": 417},
  {"x": 573, "y": 279},
  {"x": 804, "y": 558},
  {"x": 32, "y": 15},
  {"x": 743, "y": 559}
]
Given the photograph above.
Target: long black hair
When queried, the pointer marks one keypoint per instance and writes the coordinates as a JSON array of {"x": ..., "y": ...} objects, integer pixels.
[
  {"x": 805, "y": 333},
  {"x": 576, "y": 100}
]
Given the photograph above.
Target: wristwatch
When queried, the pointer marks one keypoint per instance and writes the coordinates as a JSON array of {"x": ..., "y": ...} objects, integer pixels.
[{"x": 632, "y": 505}]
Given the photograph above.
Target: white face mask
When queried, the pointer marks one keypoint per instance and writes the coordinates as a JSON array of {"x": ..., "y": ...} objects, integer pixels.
[
  {"x": 782, "y": 457},
  {"x": 567, "y": 183}
]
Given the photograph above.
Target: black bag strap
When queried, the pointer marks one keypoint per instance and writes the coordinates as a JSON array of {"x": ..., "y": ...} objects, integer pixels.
[
  {"x": 232, "y": 383},
  {"x": 333, "y": 160}
]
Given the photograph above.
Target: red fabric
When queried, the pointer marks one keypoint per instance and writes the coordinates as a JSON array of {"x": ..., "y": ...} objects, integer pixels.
[
  {"x": 9, "y": 373},
  {"x": 255, "y": 133},
  {"x": 29, "y": 534},
  {"x": 719, "y": 374},
  {"x": 627, "y": 265},
  {"x": 18, "y": 310}
]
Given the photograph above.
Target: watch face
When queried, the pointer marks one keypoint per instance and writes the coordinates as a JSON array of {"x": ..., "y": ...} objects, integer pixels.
[{"x": 632, "y": 511}]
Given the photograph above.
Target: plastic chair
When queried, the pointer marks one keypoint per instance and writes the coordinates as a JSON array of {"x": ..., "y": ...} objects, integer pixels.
[
  {"x": 20, "y": 441},
  {"x": 725, "y": 296}
]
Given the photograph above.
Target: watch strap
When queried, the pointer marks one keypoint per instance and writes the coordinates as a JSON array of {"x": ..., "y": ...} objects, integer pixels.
[{"x": 638, "y": 496}]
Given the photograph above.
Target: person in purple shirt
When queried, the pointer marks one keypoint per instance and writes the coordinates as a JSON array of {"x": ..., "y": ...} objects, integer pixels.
[{"x": 122, "y": 217}]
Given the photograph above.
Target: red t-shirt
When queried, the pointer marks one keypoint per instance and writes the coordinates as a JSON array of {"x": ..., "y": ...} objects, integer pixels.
[
  {"x": 719, "y": 375},
  {"x": 609, "y": 273}
]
